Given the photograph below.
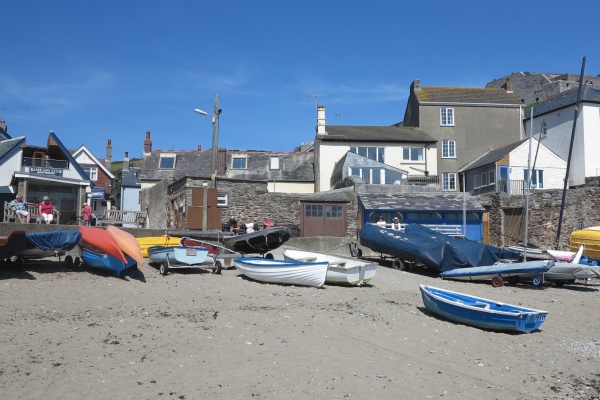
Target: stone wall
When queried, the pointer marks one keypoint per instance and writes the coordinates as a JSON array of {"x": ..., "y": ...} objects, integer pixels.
[{"x": 582, "y": 209}]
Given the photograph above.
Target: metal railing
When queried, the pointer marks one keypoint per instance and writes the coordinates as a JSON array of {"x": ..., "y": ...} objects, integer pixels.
[{"x": 45, "y": 163}]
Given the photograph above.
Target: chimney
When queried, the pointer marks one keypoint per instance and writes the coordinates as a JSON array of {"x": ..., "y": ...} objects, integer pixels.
[
  {"x": 415, "y": 86},
  {"x": 3, "y": 126},
  {"x": 508, "y": 86},
  {"x": 147, "y": 144},
  {"x": 108, "y": 159},
  {"x": 126, "y": 162},
  {"x": 199, "y": 148},
  {"x": 321, "y": 120},
  {"x": 221, "y": 161}
]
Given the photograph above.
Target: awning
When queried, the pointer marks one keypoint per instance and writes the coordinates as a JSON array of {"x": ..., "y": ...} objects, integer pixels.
[{"x": 98, "y": 193}]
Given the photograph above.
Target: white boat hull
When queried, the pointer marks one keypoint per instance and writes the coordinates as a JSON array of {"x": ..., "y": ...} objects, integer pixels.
[
  {"x": 285, "y": 272},
  {"x": 342, "y": 270}
]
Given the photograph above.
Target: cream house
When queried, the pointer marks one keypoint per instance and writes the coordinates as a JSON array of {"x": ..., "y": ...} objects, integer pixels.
[{"x": 396, "y": 149}]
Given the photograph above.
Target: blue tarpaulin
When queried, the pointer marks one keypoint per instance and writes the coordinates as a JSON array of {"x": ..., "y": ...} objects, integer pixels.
[{"x": 63, "y": 240}]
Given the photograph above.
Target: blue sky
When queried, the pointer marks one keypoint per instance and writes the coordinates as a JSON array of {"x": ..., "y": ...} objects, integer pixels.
[{"x": 116, "y": 69}]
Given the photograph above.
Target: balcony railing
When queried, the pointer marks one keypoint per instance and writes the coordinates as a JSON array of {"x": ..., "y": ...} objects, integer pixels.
[
  {"x": 45, "y": 163},
  {"x": 512, "y": 187}
]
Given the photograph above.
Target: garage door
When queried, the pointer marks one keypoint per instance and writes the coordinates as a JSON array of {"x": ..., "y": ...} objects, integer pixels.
[{"x": 323, "y": 219}]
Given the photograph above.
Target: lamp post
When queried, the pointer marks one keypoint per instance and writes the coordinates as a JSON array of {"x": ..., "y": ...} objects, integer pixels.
[{"x": 215, "y": 122}]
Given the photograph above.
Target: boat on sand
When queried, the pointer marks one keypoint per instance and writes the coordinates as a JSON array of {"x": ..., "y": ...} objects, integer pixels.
[
  {"x": 98, "y": 239},
  {"x": 341, "y": 271},
  {"x": 127, "y": 243},
  {"x": 283, "y": 271},
  {"x": 481, "y": 312},
  {"x": 177, "y": 256}
]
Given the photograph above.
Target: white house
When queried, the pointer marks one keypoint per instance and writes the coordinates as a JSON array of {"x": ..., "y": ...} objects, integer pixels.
[{"x": 553, "y": 121}]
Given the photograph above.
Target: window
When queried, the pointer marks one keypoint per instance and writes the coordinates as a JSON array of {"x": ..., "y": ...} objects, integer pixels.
[
  {"x": 449, "y": 181},
  {"x": 239, "y": 163},
  {"x": 449, "y": 149},
  {"x": 222, "y": 200},
  {"x": 373, "y": 153},
  {"x": 477, "y": 181},
  {"x": 313, "y": 210},
  {"x": 447, "y": 116},
  {"x": 167, "y": 161},
  {"x": 92, "y": 172},
  {"x": 484, "y": 181},
  {"x": 371, "y": 176},
  {"x": 274, "y": 162},
  {"x": 491, "y": 177},
  {"x": 412, "y": 154},
  {"x": 334, "y": 211},
  {"x": 537, "y": 178}
]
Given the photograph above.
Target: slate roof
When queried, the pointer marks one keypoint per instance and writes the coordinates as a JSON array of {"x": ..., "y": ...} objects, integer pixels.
[
  {"x": 294, "y": 167},
  {"x": 563, "y": 100},
  {"x": 337, "y": 195},
  {"x": 432, "y": 94},
  {"x": 130, "y": 178},
  {"x": 376, "y": 134},
  {"x": 9, "y": 146},
  {"x": 420, "y": 202},
  {"x": 491, "y": 156}
]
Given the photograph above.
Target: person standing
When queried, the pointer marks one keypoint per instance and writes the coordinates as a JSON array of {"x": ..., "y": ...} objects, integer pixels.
[
  {"x": 86, "y": 212},
  {"x": 46, "y": 210},
  {"x": 19, "y": 207},
  {"x": 267, "y": 223}
]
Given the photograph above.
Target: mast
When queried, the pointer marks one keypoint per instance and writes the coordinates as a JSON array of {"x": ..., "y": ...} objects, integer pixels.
[{"x": 566, "y": 185}]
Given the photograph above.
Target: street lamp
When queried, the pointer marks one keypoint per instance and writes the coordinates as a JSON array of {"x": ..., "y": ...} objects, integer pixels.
[{"x": 215, "y": 122}]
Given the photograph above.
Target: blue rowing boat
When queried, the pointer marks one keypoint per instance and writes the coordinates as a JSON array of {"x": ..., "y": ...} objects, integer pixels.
[
  {"x": 101, "y": 260},
  {"x": 177, "y": 256},
  {"x": 480, "y": 312}
]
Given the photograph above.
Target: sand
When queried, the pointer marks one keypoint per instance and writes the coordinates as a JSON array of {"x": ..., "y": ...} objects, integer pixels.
[{"x": 84, "y": 334}]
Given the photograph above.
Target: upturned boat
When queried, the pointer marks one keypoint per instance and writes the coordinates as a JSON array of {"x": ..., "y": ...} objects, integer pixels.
[
  {"x": 283, "y": 271},
  {"x": 481, "y": 312},
  {"x": 259, "y": 242},
  {"x": 97, "y": 258},
  {"x": 98, "y": 239},
  {"x": 127, "y": 243},
  {"x": 48, "y": 244},
  {"x": 341, "y": 271}
]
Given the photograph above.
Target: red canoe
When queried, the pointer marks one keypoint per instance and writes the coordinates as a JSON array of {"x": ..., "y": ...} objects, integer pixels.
[{"x": 101, "y": 240}]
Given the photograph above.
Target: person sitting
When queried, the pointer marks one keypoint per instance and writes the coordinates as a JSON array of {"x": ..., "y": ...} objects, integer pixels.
[
  {"x": 396, "y": 224},
  {"x": 46, "y": 210},
  {"x": 86, "y": 212},
  {"x": 233, "y": 226},
  {"x": 249, "y": 226},
  {"x": 19, "y": 208},
  {"x": 381, "y": 222},
  {"x": 267, "y": 223}
]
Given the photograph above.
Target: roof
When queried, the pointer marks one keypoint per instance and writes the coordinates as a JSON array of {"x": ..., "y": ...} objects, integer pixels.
[
  {"x": 97, "y": 161},
  {"x": 563, "y": 100},
  {"x": 432, "y": 94},
  {"x": 293, "y": 167},
  {"x": 344, "y": 195},
  {"x": 376, "y": 134},
  {"x": 187, "y": 163},
  {"x": 9, "y": 147},
  {"x": 491, "y": 156},
  {"x": 420, "y": 202},
  {"x": 131, "y": 178}
]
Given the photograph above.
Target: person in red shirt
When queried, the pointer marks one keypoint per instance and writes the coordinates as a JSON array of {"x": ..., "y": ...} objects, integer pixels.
[
  {"x": 267, "y": 223},
  {"x": 46, "y": 210},
  {"x": 86, "y": 212}
]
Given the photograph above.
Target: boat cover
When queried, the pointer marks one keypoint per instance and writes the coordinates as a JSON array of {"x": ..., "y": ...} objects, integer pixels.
[
  {"x": 435, "y": 250},
  {"x": 63, "y": 240},
  {"x": 260, "y": 242},
  {"x": 578, "y": 271}
]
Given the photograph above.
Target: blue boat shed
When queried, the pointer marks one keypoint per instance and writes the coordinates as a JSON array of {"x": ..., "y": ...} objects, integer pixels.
[{"x": 430, "y": 208}]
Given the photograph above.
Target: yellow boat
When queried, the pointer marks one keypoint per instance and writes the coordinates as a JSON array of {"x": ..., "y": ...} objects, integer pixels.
[
  {"x": 589, "y": 238},
  {"x": 150, "y": 241}
]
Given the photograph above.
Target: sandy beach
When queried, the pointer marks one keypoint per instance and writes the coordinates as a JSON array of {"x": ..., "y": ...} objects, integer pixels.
[{"x": 78, "y": 333}]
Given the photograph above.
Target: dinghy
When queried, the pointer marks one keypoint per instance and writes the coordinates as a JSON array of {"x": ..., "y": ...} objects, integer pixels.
[
  {"x": 480, "y": 312},
  {"x": 127, "y": 243},
  {"x": 259, "y": 242},
  {"x": 224, "y": 255},
  {"x": 341, "y": 271},
  {"x": 177, "y": 256},
  {"x": 97, "y": 258},
  {"x": 98, "y": 239},
  {"x": 534, "y": 270},
  {"x": 149, "y": 241},
  {"x": 282, "y": 271},
  {"x": 49, "y": 244}
]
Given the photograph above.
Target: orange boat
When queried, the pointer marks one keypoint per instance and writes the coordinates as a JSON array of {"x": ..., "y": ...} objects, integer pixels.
[
  {"x": 101, "y": 240},
  {"x": 128, "y": 244}
]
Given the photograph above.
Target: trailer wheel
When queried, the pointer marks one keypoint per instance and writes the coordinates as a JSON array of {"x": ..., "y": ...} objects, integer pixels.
[
  {"x": 217, "y": 268},
  {"x": 77, "y": 262},
  {"x": 399, "y": 264},
  {"x": 358, "y": 253},
  {"x": 269, "y": 256},
  {"x": 69, "y": 261},
  {"x": 537, "y": 280},
  {"x": 164, "y": 268},
  {"x": 497, "y": 281}
]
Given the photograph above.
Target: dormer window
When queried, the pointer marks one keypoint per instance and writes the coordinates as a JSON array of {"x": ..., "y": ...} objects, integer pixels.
[
  {"x": 167, "y": 161},
  {"x": 239, "y": 162},
  {"x": 274, "y": 162}
]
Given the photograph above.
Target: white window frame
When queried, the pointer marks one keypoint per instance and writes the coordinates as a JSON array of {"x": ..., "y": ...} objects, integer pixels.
[
  {"x": 274, "y": 162},
  {"x": 448, "y": 148},
  {"x": 447, "y": 184},
  {"x": 222, "y": 200},
  {"x": 446, "y": 116},
  {"x": 92, "y": 173},
  {"x": 243, "y": 157},
  {"x": 410, "y": 153},
  {"x": 164, "y": 157}
]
